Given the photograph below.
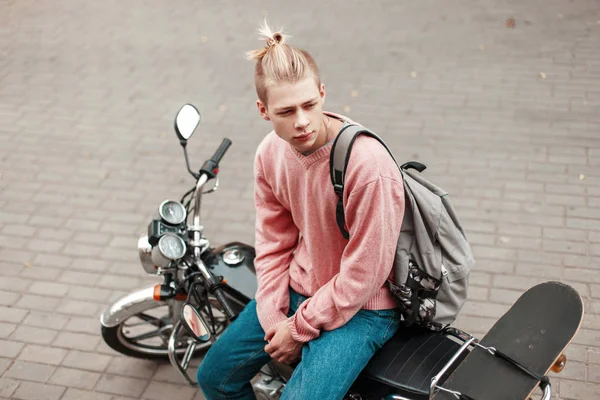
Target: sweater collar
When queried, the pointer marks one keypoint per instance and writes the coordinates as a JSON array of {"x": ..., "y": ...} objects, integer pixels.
[{"x": 321, "y": 152}]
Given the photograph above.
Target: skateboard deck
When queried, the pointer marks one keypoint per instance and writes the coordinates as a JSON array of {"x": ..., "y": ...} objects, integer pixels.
[{"x": 534, "y": 332}]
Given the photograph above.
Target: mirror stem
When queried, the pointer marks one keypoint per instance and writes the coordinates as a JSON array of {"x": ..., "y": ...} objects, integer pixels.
[{"x": 187, "y": 161}]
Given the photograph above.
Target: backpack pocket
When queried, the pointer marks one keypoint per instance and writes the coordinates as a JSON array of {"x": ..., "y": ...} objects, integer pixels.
[{"x": 416, "y": 297}]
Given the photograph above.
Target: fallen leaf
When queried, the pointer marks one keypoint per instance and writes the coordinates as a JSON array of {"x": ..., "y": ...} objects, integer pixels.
[
  {"x": 581, "y": 177},
  {"x": 354, "y": 93},
  {"x": 346, "y": 109},
  {"x": 204, "y": 39},
  {"x": 510, "y": 23},
  {"x": 413, "y": 74},
  {"x": 222, "y": 107},
  {"x": 481, "y": 47},
  {"x": 27, "y": 264},
  {"x": 542, "y": 75}
]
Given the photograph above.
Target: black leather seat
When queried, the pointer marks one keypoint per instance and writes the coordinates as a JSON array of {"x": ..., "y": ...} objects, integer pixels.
[{"x": 411, "y": 358}]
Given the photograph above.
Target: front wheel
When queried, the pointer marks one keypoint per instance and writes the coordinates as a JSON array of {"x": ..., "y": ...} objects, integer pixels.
[{"x": 146, "y": 335}]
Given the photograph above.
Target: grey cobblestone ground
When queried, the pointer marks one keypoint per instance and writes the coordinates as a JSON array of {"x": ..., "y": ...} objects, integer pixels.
[{"x": 508, "y": 120}]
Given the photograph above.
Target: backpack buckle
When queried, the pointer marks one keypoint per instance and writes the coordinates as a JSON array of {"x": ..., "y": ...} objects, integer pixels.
[{"x": 339, "y": 189}]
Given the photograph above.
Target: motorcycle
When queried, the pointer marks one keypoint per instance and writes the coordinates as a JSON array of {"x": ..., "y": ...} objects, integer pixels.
[{"x": 204, "y": 288}]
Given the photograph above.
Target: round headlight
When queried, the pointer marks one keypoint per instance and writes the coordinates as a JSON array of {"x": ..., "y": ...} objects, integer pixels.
[
  {"x": 172, "y": 212},
  {"x": 145, "y": 253},
  {"x": 170, "y": 247}
]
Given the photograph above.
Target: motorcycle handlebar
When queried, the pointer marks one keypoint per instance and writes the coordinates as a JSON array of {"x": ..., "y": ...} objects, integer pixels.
[
  {"x": 211, "y": 166},
  {"x": 221, "y": 150},
  {"x": 220, "y": 295}
]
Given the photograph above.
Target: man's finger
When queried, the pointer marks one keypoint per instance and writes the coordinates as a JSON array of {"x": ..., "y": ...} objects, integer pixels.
[
  {"x": 276, "y": 355},
  {"x": 269, "y": 348},
  {"x": 269, "y": 335}
]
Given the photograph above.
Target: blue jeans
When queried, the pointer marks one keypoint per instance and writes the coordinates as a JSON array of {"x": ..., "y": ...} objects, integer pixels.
[{"x": 329, "y": 366}]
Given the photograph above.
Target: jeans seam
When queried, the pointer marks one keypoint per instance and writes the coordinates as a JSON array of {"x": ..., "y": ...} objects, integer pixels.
[
  {"x": 385, "y": 335},
  {"x": 362, "y": 348},
  {"x": 237, "y": 368}
]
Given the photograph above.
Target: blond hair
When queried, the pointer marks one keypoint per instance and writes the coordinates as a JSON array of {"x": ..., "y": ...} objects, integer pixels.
[{"x": 280, "y": 62}]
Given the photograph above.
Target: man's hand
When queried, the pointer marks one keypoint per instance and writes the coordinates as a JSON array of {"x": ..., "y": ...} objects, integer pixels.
[{"x": 282, "y": 346}]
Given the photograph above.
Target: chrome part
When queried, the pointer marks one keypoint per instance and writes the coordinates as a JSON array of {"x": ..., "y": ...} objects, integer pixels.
[
  {"x": 547, "y": 388},
  {"x": 436, "y": 378},
  {"x": 203, "y": 244},
  {"x": 128, "y": 306},
  {"x": 454, "y": 392},
  {"x": 267, "y": 388},
  {"x": 196, "y": 227},
  {"x": 172, "y": 212},
  {"x": 145, "y": 253},
  {"x": 170, "y": 247},
  {"x": 491, "y": 350},
  {"x": 233, "y": 257},
  {"x": 198, "y": 239},
  {"x": 214, "y": 187},
  {"x": 182, "y": 368},
  {"x": 395, "y": 397}
]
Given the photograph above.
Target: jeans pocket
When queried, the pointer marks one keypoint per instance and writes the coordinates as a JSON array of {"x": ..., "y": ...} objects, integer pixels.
[{"x": 389, "y": 313}]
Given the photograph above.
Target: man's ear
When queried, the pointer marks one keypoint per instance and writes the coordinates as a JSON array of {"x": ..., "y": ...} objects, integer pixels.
[
  {"x": 322, "y": 92},
  {"x": 262, "y": 110}
]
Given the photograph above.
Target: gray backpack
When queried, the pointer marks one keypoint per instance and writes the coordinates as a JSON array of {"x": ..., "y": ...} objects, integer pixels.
[{"x": 433, "y": 257}]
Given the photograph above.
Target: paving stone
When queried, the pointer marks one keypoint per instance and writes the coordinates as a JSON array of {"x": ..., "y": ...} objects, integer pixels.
[
  {"x": 38, "y": 391},
  {"x": 121, "y": 385},
  {"x": 30, "y": 371},
  {"x": 88, "y": 361},
  {"x": 75, "y": 378},
  {"x": 42, "y": 354}
]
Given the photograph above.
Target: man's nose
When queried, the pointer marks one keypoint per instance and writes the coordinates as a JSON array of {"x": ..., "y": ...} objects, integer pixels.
[{"x": 302, "y": 120}]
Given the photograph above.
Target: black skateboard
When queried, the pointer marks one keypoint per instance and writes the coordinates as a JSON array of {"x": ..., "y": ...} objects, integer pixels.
[{"x": 521, "y": 348}]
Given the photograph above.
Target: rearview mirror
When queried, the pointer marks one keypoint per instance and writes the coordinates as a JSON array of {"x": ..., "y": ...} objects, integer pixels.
[
  {"x": 186, "y": 121},
  {"x": 194, "y": 323}
]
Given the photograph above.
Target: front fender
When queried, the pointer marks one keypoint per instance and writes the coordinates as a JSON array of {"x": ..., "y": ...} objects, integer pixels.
[{"x": 129, "y": 305}]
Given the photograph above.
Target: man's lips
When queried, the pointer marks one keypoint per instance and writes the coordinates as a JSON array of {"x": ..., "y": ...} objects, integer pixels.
[{"x": 304, "y": 135}]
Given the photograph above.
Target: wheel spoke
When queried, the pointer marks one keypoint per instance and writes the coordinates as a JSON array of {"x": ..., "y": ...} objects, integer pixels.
[
  {"x": 150, "y": 319},
  {"x": 146, "y": 335}
]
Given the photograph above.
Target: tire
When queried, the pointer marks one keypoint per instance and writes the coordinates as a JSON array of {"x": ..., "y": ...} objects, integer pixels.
[{"x": 117, "y": 339}]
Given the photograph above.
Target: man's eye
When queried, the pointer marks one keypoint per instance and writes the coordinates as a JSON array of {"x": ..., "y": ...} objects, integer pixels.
[
  {"x": 311, "y": 105},
  {"x": 284, "y": 113}
]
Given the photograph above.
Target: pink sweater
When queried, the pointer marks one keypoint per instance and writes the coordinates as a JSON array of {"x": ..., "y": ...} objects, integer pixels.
[{"x": 299, "y": 244}]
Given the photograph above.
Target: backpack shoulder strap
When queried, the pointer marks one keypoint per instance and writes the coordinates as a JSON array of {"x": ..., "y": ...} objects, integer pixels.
[{"x": 338, "y": 163}]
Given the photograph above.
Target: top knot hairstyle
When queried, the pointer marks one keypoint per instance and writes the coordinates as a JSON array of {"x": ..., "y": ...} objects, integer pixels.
[{"x": 277, "y": 61}]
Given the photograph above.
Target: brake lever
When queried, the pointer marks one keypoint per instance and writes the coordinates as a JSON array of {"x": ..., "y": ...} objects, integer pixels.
[{"x": 214, "y": 188}]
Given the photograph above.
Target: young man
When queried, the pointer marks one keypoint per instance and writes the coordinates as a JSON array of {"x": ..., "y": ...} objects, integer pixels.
[{"x": 321, "y": 299}]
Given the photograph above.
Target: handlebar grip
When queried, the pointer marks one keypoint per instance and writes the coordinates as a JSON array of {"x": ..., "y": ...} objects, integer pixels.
[
  {"x": 229, "y": 312},
  {"x": 221, "y": 150}
]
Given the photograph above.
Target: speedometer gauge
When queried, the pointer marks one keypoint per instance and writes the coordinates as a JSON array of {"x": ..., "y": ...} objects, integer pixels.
[
  {"x": 170, "y": 247},
  {"x": 172, "y": 212}
]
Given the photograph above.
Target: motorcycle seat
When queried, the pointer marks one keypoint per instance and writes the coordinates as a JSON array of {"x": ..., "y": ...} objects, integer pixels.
[{"x": 411, "y": 359}]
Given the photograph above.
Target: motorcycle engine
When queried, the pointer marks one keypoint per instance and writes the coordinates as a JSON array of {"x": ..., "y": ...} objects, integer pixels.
[{"x": 267, "y": 388}]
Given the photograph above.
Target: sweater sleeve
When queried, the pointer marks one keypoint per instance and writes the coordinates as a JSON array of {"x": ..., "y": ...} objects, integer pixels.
[
  {"x": 276, "y": 239},
  {"x": 374, "y": 215}
]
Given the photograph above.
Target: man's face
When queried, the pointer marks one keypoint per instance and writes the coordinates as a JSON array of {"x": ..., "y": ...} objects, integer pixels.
[{"x": 296, "y": 112}]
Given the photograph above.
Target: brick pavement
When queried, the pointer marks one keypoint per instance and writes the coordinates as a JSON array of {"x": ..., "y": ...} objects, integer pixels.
[{"x": 507, "y": 120}]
